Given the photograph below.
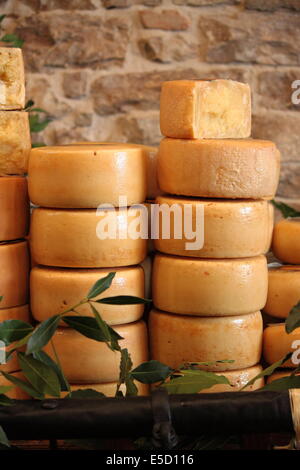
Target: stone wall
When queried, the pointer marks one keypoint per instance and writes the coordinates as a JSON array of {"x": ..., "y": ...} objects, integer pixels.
[{"x": 96, "y": 66}]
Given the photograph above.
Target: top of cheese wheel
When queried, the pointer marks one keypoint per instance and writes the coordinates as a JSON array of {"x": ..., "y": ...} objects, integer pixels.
[
  {"x": 196, "y": 109},
  {"x": 12, "y": 86},
  {"x": 219, "y": 168},
  {"x": 286, "y": 240},
  {"x": 85, "y": 176},
  {"x": 15, "y": 142}
]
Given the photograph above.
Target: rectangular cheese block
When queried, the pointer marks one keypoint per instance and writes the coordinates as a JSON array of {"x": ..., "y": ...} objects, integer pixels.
[
  {"x": 214, "y": 109},
  {"x": 12, "y": 80},
  {"x": 15, "y": 142}
]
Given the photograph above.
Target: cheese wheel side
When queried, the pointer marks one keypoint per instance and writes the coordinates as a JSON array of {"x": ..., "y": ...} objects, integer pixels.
[
  {"x": 14, "y": 208},
  {"x": 14, "y": 274}
]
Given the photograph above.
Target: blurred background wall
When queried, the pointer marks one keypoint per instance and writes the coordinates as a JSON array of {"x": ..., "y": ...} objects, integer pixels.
[{"x": 96, "y": 66}]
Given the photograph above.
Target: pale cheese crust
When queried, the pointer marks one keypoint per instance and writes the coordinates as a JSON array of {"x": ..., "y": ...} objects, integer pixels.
[
  {"x": 176, "y": 339},
  {"x": 87, "y": 361},
  {"x": 194, "y": 109},
  {"x": 232, "y": 168},
  {"x": 15, "y": 142},
  {"x": 209, "y": 287},
  {"x": 286, "y": 240},
  {"x": 14, "y": 274},
  {"x": 54, "y": 290},
  {"x": 277, "y": 343},
  {"x": 87, "y": 175},
  {"x": 70, "y": 238},
  {"x": 283, "y": 290},
  {"x": 232, "y": 228},
  {"x": 14, "y": 208},
  {"x": 12, "y": 84}
]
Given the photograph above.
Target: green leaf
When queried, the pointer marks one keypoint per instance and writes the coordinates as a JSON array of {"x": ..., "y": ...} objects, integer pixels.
[
  {"x": 285, "y": 383},
  {"x": 17, "y": 345},
  {"x": 41, "y": 376},
  {"x": 293, "y": 320},
  {"x": 45, "y": 359},
  {"x": 13, "y": 40},
  {"x": 87, "y": 393},
  {"x": 87, "y": 326},
  {"x": 103, "y": 326},
  {"x": 2, "y": 18},
  {"x": 285, "y": 210},
  {"x": 131, "y": 388},
  {"x": 1, "y": 298},
  {"x": 268, "y": 371},
  {"x": 42, "y": 334},
  {"x": 189, "y": 365},
  {"x": 29, "y": 105},
  {"x": 125, "y": 365},
  {"x": 37, "y": 110},
  {"x": 151, "y": 372},
  {"x": 14, "y": 330},
  {"x": 38, "y": 144},
  {"x": 37, "y": 125},
  {"x": 101, "y": 285},
  {"x": 123, "y": 300},
  {"x": 4, "y": 389},
  {"x": 3, "y": 437},
  {"x": 6, "y": 401},
  {"x": 195, "y": 382},
  {"x": 25, "y": 386}
]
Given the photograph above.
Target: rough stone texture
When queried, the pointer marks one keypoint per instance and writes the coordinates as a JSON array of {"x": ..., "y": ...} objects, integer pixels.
[{"x": 96, "y": 65}]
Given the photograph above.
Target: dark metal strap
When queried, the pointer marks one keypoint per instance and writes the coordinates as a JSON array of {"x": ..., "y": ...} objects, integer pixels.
[{"x": 163, "y": 433}]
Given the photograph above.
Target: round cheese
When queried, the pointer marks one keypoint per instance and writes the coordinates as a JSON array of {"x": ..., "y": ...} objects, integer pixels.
[
  {"x": 283, "y": 290},
  {"x": 238, "y": 379},
  {"x": 209, "y": 287},
  {"x": 15, "y": 142},
  {"x": 205, "y": 109},
  {"x": 286, "y": 240},
  {"x": 72, "y": 238},
  {"x": 176, "y": 339},
  {"x": 87, "y": 361},
  {"x": 14, "y": 207},
  {"x": 54, "y": 290},
  {"x": 217, "y": 168},
  {"x": 280, "y": 374},
  {"x": 109, "y": 389},
  {"x": 15, "y": 393},
  {"x": 12, "y": 89},
  {"x": 85, "y": 176},
  {"x": 277, "y": 343},
  {"x": 14, "y": 274},
  {"x": 231, "y": 228},
  {"x": 16, "y": 313}
]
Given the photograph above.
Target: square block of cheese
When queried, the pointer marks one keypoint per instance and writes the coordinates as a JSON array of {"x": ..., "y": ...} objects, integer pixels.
[
  {"x": 15, "y": 142},
  {"x": 12, "y": 80},
  {"x": 196, "y": 109}
]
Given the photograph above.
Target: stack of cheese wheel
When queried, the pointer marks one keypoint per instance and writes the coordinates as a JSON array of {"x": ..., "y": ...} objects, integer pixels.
[
  {"x": 86, "y": 225},
  {"x": 15, "y": 146},
  {"x": 208, "y": 296},
  {"x": 283, "y": 295}
]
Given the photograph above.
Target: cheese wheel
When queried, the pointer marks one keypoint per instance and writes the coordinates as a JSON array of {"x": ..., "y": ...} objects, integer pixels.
[
  {"x": 15, "y": 313},
  {"x": 286, "y": 240},
  {"x": 15, "y": 142},
  {"x": 209, "y": 287},
  {"x": 109, "y": 389},
  {"x": 283, "y": 290},
  {"x": 280, "y": 374},
  {"x": 209, "y": 109},
  {"x": 277, "y": 343},
  {"x": 12, "y": 87},
  {"x": 15, "y": 393},
  {"x": 84, "y": 360},
  {"x": 14, "y": 274},
  {"x": 85, "y": 176},
  {"x": 238, "y": 379},
  {"x": 244, "y": 168},
  {"x": 232, "y": 228},
  {"x": 55, "y": 290},
  {"x": 176, "y": 339},
  {"x": 14, "y": 207},
  {"x": 71, "y": 238},
  {"x": 150, "y": 243}
]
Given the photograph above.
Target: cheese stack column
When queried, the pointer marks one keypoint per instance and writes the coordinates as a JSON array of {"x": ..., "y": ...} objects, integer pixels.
[
  {"x": 210, "y": 275},
  {"x": 15, "y": 146},
  {"x": 84, "y": 228}
]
